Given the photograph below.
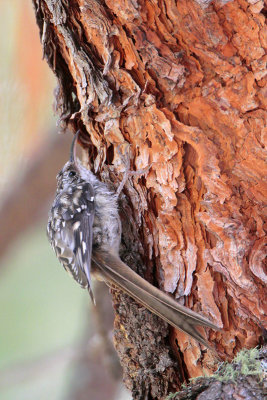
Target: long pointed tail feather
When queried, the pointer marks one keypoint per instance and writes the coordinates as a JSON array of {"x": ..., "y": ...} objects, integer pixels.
[{"x": 115, "y": 271}]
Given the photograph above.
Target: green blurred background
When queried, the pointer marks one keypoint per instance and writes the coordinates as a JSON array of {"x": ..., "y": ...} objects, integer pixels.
[{"x": 43, "y": 314}]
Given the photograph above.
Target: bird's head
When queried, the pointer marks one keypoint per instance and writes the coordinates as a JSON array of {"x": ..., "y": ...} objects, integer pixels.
[{"x": 70, "y": 173}]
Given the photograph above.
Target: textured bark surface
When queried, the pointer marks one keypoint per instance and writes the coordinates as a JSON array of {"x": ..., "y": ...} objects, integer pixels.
[
  {"x": 249, "y": 387},
  {"x": 182, "y": 82}
]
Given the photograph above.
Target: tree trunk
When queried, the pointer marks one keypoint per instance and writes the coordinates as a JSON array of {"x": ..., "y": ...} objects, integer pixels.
[{"x": 182, "y": 82}]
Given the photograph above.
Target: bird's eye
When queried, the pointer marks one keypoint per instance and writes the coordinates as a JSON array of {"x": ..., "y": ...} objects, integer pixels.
[{"x": 72, "y": 174}]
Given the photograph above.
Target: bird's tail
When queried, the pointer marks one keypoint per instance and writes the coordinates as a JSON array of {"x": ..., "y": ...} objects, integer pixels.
[{"x": 114, "y": 271}]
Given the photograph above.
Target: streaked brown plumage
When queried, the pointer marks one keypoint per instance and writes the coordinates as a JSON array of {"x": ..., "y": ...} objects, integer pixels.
[{"x": 84, "y": 229}]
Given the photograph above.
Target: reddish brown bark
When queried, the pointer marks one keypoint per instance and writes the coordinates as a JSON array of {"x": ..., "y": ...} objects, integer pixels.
[{"x": 184, "y": 83}]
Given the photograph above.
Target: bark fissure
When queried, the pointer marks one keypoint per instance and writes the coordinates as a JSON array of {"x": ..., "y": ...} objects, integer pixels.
[{"x": 184, "y": 83}]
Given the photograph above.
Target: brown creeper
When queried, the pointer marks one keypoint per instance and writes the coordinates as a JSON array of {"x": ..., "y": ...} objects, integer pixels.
[{"x": 84, "y": 229}]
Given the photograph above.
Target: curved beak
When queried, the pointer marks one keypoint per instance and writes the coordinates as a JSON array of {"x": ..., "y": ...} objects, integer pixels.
[{"x": 73, "y": 148}]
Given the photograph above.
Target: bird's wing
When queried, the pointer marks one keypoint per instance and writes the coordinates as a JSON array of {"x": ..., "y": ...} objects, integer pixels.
[{"x": 73, "y": 237}]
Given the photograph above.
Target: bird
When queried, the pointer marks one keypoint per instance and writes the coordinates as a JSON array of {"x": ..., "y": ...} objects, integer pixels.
[{"x": 84, "y": 229}]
